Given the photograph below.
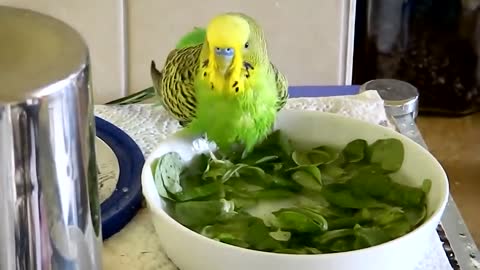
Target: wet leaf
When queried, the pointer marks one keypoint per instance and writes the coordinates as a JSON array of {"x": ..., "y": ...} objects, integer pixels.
[
  {"x": 388, "y": 153},
  {"x": 341, "y": 196},
  {"x": 416, "y": 215},
  {"x": 405, "y": 196},
  {"x": 199, "y": 192},
  {"x": 273, "y": 194},
  {"x": 201, "y": 213},
  {"x": 331, "y": 173},
  {"x": 426, "y": 186},
  {"x": 355, "y": 150},
  {"x": 266, "y": 159},
  {"x": 332, "y": 235},
  {"x": 306, "y": 180},
  {"x": 387, "y": 215},
  {"x": 303, "y": 250},
  {"x": 398, "y": 228},
  {"x": 158, "y": 179},
  {"x": 294, "y": 219},
  {"x": 170, "y": 168},
  {"x": 370, "y": 236},
  {"x": 314, "y": 157}
]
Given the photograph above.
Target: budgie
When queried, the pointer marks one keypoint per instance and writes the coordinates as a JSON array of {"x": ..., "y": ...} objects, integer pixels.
[{"x": 219, "y": 82}]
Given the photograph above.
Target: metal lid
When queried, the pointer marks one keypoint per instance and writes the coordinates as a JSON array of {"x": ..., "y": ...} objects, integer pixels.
[
  {"x": 36, "y": 51},
  {"x": 400, "y": 97}
]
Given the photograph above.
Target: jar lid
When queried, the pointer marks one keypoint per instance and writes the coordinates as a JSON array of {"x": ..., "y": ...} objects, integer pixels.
[{"x": 400, "y": 97}]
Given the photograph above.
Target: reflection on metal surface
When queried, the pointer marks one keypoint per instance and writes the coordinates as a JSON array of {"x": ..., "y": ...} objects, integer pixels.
[{"x": 49, "y": 191}]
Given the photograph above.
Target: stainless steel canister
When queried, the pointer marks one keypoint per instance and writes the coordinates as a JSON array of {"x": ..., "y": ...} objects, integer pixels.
[{"x": 49, "y": 208}]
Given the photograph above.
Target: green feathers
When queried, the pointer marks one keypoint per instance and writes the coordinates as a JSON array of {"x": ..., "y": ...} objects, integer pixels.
[
  {"x": 193, "y": 38},
  {"x": 229, "y": 119}
]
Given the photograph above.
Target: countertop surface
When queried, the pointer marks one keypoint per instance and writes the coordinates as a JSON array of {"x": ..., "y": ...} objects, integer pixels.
[{"x": 455, "y": 142}]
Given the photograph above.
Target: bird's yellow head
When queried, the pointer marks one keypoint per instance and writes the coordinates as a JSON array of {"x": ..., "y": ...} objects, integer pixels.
[{"x": 229, "y": 39}]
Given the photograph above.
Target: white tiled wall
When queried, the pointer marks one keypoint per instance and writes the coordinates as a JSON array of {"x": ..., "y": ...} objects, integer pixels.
[
  {"x": 307, "y": 38},
  {"x": 101, "y": 24}
]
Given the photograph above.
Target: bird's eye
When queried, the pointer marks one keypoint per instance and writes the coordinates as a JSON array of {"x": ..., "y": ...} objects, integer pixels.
[{"x": 246, "y": 45}]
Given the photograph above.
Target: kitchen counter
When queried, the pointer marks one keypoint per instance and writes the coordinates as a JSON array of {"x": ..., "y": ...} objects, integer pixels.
[{"x": 455, "y": 142}]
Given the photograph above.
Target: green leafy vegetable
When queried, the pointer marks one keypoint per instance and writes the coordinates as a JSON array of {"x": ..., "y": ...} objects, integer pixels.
[
  {"x": 295, "y": 219},
  {"x": 355, "y": 150},
  {"x": 201, "y": 213},
  {"x": 389, "y": 153},
  {"x": 308, "y": 177},
  {"x": 296, "y": 201},
  {"x": 313, "y": 157},
  {"x": 367, "y": 237}
]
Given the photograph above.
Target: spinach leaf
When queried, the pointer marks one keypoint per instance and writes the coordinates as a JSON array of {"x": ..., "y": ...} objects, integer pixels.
[
  {"x": 426, "y": 186},
  {"x": 294, "y": 219},
  {"x": 279, "y": 181},
  {"x": 243, "y": 230},
  {"x": 309, "y": 177},
  {"x": 335, "y": 155},
  {"x": 216, "y": 169},
  {"x": 329, "y": 236},
  {"x": 389, "y": 153},
  {"x": 331, "y": 173},
  {"x": 171, "y": 165},
  {"x": 415, "y": 215},
  {"x": 341, "y": 196},
  {"x": 405, "y": 196},
  {"x": 156, "y": 172},
  {"x": 258, "y": 236},
  {"x": 398, "y": 228},
  {"x": 267, "y": 194},
  {"x": 342, "y": 244},
  {"x": 361, "y": 217},
  {"x": 371, "y": 184},
  {"x": 276, "y": 144},
  {"x": 201, "y": 213},
  {"x": 370, "y": 236},
  {"x": 386, "y": 215},
  {"x": 313, "y": 157},
  {"x": 355, "y": 150},
  {"x": 199, "y": 192},
  {"x": 302, "y": 250}
]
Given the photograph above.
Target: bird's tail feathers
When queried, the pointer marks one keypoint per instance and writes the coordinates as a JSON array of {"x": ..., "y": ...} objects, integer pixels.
[{"x": 134, "y": 98}]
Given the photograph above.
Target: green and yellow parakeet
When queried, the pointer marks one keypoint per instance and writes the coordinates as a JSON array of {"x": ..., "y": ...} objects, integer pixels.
[{"x": 219, "y": 82}]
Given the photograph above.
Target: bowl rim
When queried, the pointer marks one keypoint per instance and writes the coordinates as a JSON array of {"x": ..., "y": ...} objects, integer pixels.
[{"x": 436, "y": 215}]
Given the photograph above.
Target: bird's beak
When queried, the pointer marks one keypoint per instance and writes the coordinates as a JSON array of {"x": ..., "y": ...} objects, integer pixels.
[{"x": 223, "y": 58}]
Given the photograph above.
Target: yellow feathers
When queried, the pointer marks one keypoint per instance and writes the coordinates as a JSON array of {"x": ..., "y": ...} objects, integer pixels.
[
  {"x": 228, "y": 31},
  {"x": 227, "y": 36}
]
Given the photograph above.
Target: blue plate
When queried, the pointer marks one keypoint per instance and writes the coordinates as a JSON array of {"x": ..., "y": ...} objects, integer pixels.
[{"x": 125, "y": 200}]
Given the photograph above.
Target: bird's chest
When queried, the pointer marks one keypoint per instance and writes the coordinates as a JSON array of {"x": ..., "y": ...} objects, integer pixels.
[{"x": 253, "y": 111}]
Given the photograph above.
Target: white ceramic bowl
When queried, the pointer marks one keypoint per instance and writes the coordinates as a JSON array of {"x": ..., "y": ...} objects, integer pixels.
[{"x": 191, "y": 251}]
